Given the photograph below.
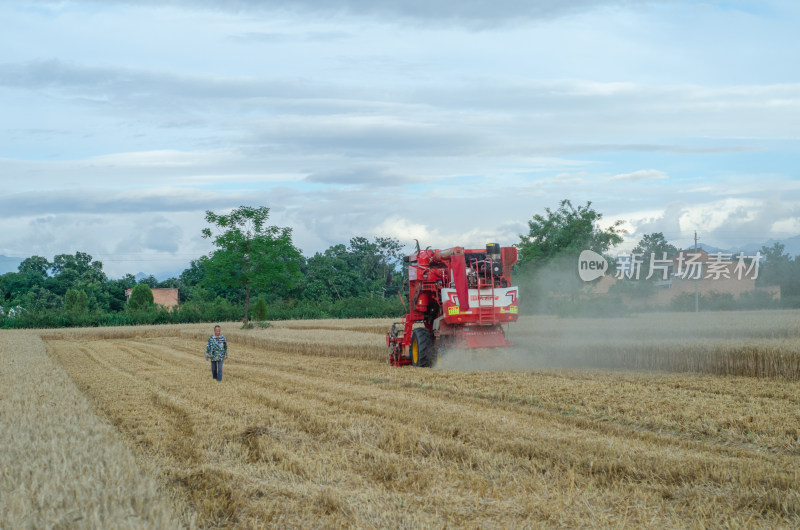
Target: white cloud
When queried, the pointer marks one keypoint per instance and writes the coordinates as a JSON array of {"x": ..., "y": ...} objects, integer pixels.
[
  {"x": 638, "y": 176},
  {"x": 786, "y": 227},
  {"x": 161, "y": 159},
  {"x": 405, "y": 230},
  {"x": 346, "y": 126},
  {"x": 727, "y": 223}
]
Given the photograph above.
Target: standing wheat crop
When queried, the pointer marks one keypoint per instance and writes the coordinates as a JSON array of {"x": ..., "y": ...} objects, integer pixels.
[{"x": 61, "y": 465}]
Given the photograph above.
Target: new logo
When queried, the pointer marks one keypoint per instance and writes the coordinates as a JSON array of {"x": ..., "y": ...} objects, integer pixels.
[{"x": 591, "y": 265}]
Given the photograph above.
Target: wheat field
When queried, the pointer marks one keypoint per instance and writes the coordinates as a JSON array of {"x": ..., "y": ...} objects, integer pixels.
[
  {"x": 311, "y": 428},
  {"x": 62, "y": 466}
]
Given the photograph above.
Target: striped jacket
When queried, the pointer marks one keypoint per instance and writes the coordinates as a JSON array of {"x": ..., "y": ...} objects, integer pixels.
[{"x": 217, "y": 348}]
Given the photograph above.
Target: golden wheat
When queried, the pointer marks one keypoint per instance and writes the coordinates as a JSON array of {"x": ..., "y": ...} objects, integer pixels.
[
  {"x": 749, "y": 343},
  {"x": 309, "y": 439},
  {"x": 310, "y": 427},
  {"x": 364, "y": 325},
  {"x": 60, "y": 465}
]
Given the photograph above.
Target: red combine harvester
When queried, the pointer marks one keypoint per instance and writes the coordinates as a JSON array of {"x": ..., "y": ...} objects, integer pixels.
[{"x": 461, "y": 296}]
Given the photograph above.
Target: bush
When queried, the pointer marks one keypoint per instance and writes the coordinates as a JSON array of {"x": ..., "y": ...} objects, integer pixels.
[
  {"x": 360, "y": 307},
  {"x": 217, "y": 310},
  {"x": 260, "y": 309},
  {"x": 76, "y": 302},
  {"x": 141, "y": 298}
]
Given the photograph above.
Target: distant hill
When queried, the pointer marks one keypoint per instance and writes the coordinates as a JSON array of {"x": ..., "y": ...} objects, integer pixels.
[
  {"x": 9, "y": 264},
  {"x": 160, "y": 277},
  {"x": 791, "y": 247},
  {"x": 709, "y": 248}
]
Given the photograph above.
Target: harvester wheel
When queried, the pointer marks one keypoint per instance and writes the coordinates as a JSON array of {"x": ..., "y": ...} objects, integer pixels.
[{"x": 423, "y": 352}]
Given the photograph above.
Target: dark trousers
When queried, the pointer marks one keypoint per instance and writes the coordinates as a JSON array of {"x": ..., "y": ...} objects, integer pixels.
[{"x": 216, "y": 370}]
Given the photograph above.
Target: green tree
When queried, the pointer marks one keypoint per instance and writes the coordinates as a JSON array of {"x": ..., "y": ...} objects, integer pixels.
[
  {"x": 260, "y": 309},
  {"x": 777, "y": 265},
  {"x": 76, "y": 301},
  {"x": 567, "y": 230},
  {"x": 650, "y": 248},
  {"x": 548, "y": 261},
  {"x": 35, "y": 266},
  {"x": 78, "y": 271},
  {"x": 39, "y": 298},
  {"x": 81, "y": 264},
  {"x": 116, "y": 291},
  {"x": 331, "y": 275},
  {"x": 654, "y": 244},
  {"x": 15, "y": 285},
  {"x": 141, "y": 298},
  {"x": 375, "y": 262},
  {"x": 251, "y": 254},
  {"x": 150, "y": 281},
  {"x": 779, "y": 269},
  {"x": 195, "y": 274},
  {"x": 364, "y": 268}
]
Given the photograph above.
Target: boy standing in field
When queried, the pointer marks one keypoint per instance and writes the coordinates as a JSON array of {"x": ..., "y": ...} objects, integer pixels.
[{"x": 217, "y": 351}]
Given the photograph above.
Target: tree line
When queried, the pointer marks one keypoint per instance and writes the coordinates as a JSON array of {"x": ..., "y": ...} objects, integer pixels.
[
  {"x": 549, "y": 280},
  {"x": 254, "y": 266},
  {"x": 256, "y": 271}
]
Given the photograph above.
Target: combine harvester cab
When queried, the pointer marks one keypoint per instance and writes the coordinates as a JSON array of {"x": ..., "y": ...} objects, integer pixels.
[{"x": 461, "y": 297}]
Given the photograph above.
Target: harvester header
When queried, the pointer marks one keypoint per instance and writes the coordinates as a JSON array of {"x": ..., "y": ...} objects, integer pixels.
[{"x": 457, "y": 297}]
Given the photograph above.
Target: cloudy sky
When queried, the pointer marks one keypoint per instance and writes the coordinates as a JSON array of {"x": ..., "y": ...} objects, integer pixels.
[{"x": 451, "y": 121}]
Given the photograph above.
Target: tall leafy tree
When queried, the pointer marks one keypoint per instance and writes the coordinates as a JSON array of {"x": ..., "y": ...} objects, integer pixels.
[
  {"x": 654, "y": 247},
  {"x": 651, "y": 247},
  {"x": 76, "y": 301},
  {"x": 14, "y": 285},
  {"x": 38, "y": 298},
  {"x": 549, "y": 251},
  {"x": 566, "y": 231},
  {"x": 363, "y": 268},
  {"x": 780, "y": 269},
  {"x": 76, "y": 271},
  {"x": 151, "y": 281},
  {"x": 116, "y": 291},
  {"x": 375, "y": 262},
  {"x": 193, "y": 280},
  {"x": 251, "y": 254},
  {"x": 81, "y": 263},
  {"x": 332, "y": 275},
  {"x": 35, "y": 266},
  {"x": 655, "y": 243},
  {"x": 195, "y": 274}
]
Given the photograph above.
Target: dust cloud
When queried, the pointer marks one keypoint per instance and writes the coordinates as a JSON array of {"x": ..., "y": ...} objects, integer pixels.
[
  {"x": 573, "y": 328},
  {"x": 728, "y": 342},
  {"x": 512, "y": 358}
]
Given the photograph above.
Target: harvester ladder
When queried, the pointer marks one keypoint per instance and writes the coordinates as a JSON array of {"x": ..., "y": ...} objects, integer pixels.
[{"x": 485, "y": 280}]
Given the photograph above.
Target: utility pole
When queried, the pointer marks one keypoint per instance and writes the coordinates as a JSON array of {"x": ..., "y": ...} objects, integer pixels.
[{"x": 696, "y": 288}]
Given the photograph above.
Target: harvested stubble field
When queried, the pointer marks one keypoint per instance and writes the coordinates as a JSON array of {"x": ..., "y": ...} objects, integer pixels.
[{"x": 311, "y": 428}]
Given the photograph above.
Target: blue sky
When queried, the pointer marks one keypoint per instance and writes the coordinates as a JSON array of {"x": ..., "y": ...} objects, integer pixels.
[{"x": 450, "y": 122}]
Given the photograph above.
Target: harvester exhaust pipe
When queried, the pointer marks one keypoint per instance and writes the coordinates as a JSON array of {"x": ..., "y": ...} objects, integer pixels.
[{"x": 493, "y": 254}]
